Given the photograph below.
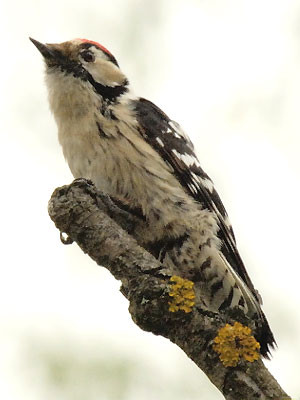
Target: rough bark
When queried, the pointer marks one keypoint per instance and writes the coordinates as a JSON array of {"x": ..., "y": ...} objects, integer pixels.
[{"x": 101, "y": 229}]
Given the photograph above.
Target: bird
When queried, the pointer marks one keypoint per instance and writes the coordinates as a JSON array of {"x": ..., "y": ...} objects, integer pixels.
[{"x": 132, "y": 151}]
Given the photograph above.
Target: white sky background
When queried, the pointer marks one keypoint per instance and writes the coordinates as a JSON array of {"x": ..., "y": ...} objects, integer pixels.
[{"x": 228, "y": 72}]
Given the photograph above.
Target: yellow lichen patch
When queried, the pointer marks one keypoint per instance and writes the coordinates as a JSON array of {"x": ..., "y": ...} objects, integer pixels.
[
  {"x": 234, "y": 342},
  {"x": 182, "y": 291}
]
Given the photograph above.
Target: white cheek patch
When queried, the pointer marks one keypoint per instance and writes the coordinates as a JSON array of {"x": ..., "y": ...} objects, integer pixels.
[{"x": 103, "y": 70}]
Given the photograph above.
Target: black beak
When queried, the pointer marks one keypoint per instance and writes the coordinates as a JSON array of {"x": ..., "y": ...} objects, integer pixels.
[{"x": 43, "y": 49}]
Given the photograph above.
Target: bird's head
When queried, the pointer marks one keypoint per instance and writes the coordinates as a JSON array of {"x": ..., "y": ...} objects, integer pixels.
[{"x": 87, "y": 61}]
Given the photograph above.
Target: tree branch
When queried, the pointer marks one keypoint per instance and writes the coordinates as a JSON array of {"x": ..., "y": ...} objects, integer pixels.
[{"x": 100, "y": 228}]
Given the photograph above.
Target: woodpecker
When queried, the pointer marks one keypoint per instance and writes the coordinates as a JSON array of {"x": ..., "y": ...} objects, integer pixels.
[{"x": 144, "y": 161}]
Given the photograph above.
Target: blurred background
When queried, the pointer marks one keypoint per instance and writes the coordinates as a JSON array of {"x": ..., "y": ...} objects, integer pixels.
[{"x": 228, "y": 72}]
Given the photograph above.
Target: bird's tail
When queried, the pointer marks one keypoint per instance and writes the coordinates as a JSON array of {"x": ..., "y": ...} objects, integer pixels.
[{"x": 251, "y": 304}]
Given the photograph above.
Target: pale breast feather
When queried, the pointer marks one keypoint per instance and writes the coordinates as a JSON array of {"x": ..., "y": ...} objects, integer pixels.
[{"x": 175, "y": 147}]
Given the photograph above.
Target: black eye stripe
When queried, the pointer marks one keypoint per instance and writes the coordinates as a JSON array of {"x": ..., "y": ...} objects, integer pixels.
[{"x": 88, "y": 56}]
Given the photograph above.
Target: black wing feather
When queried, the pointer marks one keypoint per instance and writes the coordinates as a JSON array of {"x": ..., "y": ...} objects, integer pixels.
[{"x": 167, "y": 138}]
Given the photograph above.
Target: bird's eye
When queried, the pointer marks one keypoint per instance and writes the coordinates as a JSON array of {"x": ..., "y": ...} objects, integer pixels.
[{"x": 88, "y": 56}]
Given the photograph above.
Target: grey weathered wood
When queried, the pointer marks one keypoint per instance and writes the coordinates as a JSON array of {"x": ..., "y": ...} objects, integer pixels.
[{"x": 101, "y": 229}]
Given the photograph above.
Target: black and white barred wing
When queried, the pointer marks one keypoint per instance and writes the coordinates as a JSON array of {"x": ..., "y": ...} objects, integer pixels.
[{"x": 175, "y": 147}]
